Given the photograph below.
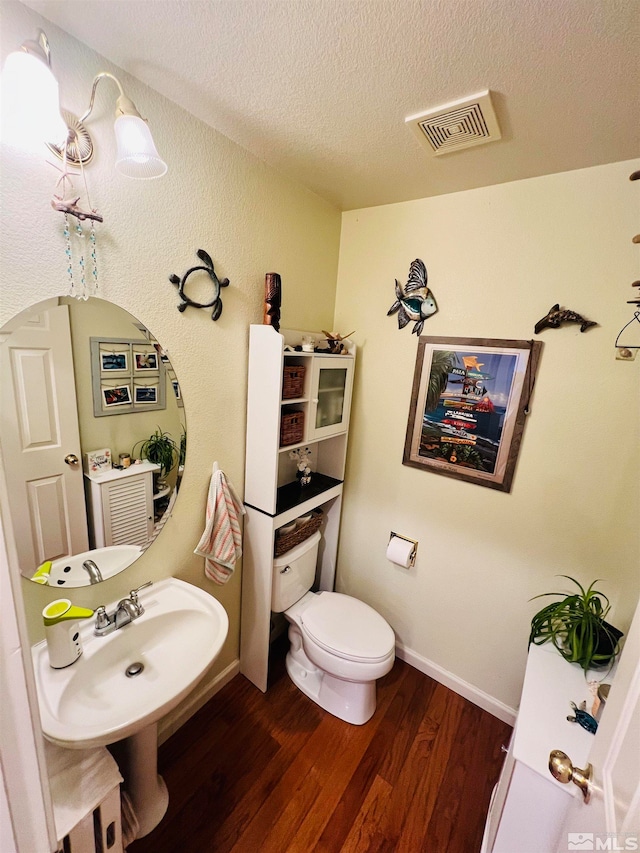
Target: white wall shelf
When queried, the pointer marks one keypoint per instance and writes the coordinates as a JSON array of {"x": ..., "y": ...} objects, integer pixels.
[{"x": 273, "y": 496}]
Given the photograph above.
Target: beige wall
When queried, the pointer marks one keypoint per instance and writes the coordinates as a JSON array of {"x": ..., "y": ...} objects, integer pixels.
[
  {"x": 498, "y": 259},
  {"x": 215, "y": 196}
]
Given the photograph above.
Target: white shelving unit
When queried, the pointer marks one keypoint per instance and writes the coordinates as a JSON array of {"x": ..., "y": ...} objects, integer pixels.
[
  {"x": 121, "y": 505},
  {"x": 272, "y": 494}
]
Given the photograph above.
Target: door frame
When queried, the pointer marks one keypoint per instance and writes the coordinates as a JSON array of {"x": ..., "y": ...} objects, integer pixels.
[{"x": 23, "y": 768}]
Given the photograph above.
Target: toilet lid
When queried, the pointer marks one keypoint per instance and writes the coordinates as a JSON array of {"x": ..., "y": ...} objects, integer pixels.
[{"x": 347, "y": 627}]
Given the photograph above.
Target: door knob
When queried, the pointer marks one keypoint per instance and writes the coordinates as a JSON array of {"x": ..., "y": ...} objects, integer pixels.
[
  {"x": 562, "y": 769},
  {"x": 71, "y": 459}
]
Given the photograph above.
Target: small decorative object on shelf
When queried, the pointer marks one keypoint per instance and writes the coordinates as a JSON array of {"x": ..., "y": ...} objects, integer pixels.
[
  {"x": 180, "y": 283},
  {"x": 335, "y": 342},
  {"x": 556, "y": 316},
  {"x": 97, "y": 461},
  {"x": 415, "y": 301},
  {"x": 583, "y": 717},
  {"x": 302, "y": 455},
  {"x": 272, "y": 300}
]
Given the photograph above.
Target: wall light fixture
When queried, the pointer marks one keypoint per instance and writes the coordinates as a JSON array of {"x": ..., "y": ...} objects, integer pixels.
[{"x": 31, "y": 102}]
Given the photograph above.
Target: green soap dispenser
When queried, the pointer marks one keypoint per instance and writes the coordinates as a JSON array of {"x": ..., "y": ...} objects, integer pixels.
[{"x": 61, "y": 631}]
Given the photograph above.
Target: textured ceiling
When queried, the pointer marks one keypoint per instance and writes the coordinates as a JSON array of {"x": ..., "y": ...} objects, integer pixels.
[{"x": 320, "y": 88}]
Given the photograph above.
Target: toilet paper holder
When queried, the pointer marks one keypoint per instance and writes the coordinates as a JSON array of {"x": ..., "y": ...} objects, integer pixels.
[{"x": 414, "y": 551}]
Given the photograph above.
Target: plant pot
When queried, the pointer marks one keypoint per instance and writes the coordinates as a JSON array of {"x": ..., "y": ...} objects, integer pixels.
[
  {"x": 607, "y": 644},
  {"x": 159, "y": 482}
]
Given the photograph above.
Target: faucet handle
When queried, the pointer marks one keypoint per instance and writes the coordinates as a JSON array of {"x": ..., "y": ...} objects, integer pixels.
[
  {"x": 133, "y": 595},
  {"x": 102, "y": 620}
]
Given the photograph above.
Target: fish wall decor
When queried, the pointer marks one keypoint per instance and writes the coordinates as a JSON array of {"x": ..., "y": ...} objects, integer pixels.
[
  {"x": 556, "y": 316},
  {"x": 415, "y": 302}
]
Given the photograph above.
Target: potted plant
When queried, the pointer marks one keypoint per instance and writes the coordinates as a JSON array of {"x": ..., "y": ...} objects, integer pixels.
[
  {"x": 182, "y": 450},
  {"x": 160, "y": 449},
  {"x": 577, "y": 628}
]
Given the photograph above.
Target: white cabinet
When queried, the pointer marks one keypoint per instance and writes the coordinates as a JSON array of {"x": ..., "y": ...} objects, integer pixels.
[
  {"x": 528, "y": 805},
  {"x": 330, "y": 396},
  {"x": 121, "y": 506},
  {"x": 273, "y": 496}
]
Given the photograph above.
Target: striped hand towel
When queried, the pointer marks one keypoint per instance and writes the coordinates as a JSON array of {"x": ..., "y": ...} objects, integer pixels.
[{"x": 221, "y": 542}]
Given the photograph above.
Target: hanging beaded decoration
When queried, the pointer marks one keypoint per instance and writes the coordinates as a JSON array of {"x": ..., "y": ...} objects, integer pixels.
[{"x": 67, "y": 203}]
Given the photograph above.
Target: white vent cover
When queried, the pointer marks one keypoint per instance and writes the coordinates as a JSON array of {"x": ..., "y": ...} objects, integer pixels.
[{"x": 460, "y": 124}]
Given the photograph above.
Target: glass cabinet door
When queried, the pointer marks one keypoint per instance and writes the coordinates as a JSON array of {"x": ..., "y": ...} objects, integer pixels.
[{"x": 331, "y": 382}]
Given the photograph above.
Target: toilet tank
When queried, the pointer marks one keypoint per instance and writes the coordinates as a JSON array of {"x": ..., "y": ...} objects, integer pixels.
[{"x": 294, "y": 574}]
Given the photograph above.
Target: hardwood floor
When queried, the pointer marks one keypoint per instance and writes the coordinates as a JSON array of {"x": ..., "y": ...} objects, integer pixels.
[{"x": 275, "y": 773}]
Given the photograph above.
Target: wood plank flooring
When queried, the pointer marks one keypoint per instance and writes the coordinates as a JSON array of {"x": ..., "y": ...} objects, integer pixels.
[{"x": 276, "y": 774}]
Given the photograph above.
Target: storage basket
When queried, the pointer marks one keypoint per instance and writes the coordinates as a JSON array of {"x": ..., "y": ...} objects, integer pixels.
[
  {"x": 293, "y": 381},
  {"x": 286, "y": 541},
  {"x": 291, "y": 428}
]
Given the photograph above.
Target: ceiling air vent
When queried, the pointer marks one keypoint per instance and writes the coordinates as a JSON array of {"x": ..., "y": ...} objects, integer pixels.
[{"x": 460, "y": 124}]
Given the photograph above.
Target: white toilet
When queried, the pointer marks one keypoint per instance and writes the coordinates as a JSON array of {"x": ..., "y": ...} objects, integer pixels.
[{"x": 339, "y": 645}]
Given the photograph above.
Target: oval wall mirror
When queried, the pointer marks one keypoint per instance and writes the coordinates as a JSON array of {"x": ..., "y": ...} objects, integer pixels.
[{"x": 93, "y": 438}]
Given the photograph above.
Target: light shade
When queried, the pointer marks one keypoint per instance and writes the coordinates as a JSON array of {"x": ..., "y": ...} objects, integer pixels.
[
  {"x": 137, "y": 156},
  {"x": 30, "y": 103}
]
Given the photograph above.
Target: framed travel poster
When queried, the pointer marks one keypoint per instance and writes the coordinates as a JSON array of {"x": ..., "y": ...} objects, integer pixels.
[{"x": 469, "y": 400}]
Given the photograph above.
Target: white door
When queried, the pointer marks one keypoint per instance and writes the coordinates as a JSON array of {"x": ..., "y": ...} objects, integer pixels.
[
  {"x": 611, "y": 820},
  {"x": 38, "y": 429}
]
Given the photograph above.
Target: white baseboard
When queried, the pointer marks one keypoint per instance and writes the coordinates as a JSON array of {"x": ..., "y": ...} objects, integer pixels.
[
  {"x": 463, "y": 688},
  {"x": 194, "y": 701}
]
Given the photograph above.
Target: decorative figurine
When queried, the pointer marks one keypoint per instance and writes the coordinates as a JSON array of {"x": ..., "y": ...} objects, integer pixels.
[
  {"x": 81, "y": 285},
  {"x": 416, "y": 301},
  {"x": 216, "y": 302},
  {"x": 334, "y": 341},
  {"x": 302, "y": 457},
  {"x": 557, "y": 316},
  {"x": 583, "y": 718},
  {"x": 272, "y": 300}
]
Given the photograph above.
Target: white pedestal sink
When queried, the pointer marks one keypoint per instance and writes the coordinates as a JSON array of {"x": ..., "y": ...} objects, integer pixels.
[{"x": 94, "y": 702}]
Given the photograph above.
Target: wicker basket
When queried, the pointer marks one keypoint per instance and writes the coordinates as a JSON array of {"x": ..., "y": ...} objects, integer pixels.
[
  {"x": 287, "y": 541},
  {"x": 291, "y": 428},
  {"x": 293, "y": 381}
]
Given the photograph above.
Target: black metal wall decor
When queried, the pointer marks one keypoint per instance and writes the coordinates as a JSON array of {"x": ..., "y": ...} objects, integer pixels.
[
  {"x": 557, "y": 316},
  {"x": 180, "y": 283},
  {"x": 416, "y": 301}
]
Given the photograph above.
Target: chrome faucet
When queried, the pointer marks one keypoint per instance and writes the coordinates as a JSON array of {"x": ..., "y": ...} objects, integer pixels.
[
  {"x": 93, "y": 571},
  {"x": 126, "y": 611}
]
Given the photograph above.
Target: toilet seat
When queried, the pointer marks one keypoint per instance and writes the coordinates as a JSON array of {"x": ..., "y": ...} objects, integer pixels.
[{"x": 347, "y": 628}]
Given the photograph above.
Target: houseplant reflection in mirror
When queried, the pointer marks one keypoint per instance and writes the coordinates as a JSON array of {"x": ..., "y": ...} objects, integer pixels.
[
  {"x": 160, "y": 449},
  {"x": 577, "y": 628}
]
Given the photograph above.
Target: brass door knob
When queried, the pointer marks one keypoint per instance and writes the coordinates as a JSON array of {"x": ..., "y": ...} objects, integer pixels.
[
  {"x": 71, "y": 459},
  {"x": 562, "y": 769}
]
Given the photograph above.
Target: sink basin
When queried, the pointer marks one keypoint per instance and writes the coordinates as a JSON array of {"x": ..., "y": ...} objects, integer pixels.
[
  {"x": 68, "y": 571},
  {"x": 93, "y": 702}
]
